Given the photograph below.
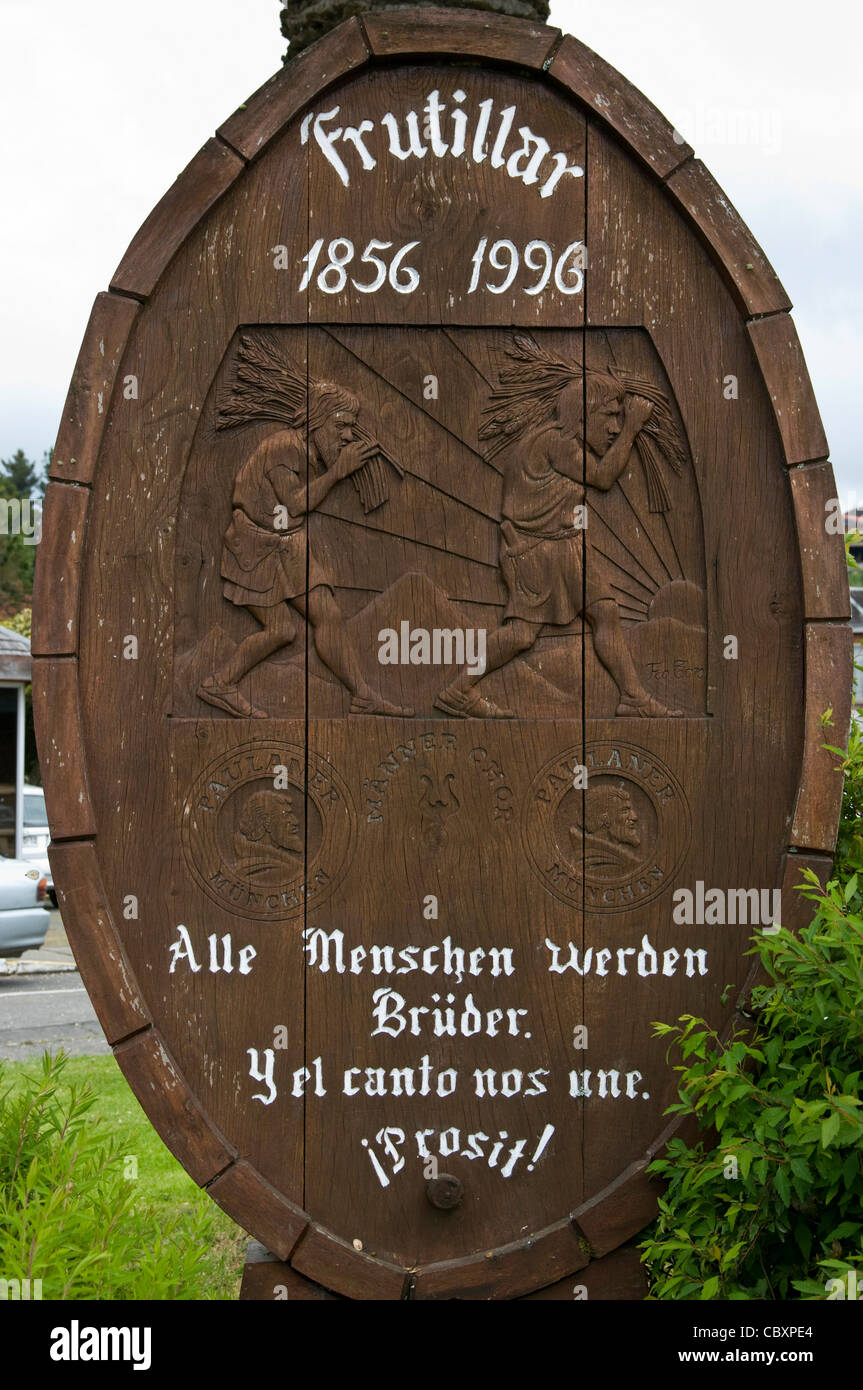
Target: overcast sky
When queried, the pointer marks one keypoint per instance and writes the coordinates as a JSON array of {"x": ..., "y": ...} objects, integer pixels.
[{"x": 104, "y": 102}]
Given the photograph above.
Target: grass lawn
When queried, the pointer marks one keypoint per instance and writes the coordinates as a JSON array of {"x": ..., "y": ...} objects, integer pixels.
[{"x": 161, "y": 1183}]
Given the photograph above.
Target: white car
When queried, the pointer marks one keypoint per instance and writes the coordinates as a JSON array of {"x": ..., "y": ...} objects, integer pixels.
[
  {"x": 23, "y": 917},
  {"x": 36, "y": 835},
  {"x": 35, "y": 832}
]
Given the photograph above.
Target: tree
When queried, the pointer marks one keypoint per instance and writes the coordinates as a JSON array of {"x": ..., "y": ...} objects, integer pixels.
[
  {"x": 21, "y": 479},
  {"x": 21, "y": 474}
]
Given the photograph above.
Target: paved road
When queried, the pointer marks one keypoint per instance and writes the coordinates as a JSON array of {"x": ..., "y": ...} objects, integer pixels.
[{"x": 48, "y": 1010}]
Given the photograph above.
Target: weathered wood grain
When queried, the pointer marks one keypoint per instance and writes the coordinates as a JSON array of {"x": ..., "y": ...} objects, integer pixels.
[
  {"x": 462, "y": 32},
  {"x": 58, "y": 571},
  {"x": 245, "y": 1195},
  {"x": 822, "y": 551},
  {"x": 752, "y": 278},
  {"x": 91, "y": 388},
  {"x": 618, "y": 1277},
  {"x": 783, "y": 366},
  {"x": 90, "y": 925},
  {"x": 162, "y": 1090},
  {"x": 620, "y": 1212},
  {"x": 828, "y": 714},
  {"x": 201, "y": 184},
  {"x": 62, "y": 759},
  {"x": 752, "y": 781},
  {"x": 265, "y": 1277},
  {"x": 508, "y": 1272},
  {"x": 307, "y": 76},
  {"x": 619, "y": 105},
  {"x": 797, "y": 909},
  {"x": 335, "y": 1264}
]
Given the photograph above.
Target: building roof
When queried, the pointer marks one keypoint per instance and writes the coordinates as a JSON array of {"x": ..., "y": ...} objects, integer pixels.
[{"x": 14, "y": 656}]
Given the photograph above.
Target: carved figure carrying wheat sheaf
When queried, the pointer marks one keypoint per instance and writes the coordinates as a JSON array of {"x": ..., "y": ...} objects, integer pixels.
[
  {"x": 557, "y": 430},
  {"x": 268, "y": 566}
]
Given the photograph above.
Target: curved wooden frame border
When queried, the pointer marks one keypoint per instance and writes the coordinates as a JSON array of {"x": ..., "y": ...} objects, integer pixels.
[{"x": 624, "y": 1208}]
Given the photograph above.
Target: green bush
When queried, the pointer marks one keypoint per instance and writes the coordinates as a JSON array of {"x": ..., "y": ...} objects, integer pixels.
[
  {"x": 770, "y": 1203},
  {"x": 21, "y": 622},
  {"x": 68, "y": 1214}
]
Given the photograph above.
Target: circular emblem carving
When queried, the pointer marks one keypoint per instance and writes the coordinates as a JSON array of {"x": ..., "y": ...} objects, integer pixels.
[
  {"x": 268, "y": 827},
  {"x": 615, "y": 844}
]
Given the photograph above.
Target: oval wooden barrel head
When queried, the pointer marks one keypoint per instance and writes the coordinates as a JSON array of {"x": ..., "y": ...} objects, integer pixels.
[{"x": 438, "y": 652}]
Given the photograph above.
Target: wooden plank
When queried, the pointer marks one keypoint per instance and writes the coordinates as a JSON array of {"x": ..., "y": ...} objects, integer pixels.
[
  {"x": 265, "y": 1277},
  {"x": 822, "y": 554},
  {"x": 58, "y": 571},
  {"x": 247, "y": 1197},
  {"x": 796, "y": 912},
  {"x": 683, "y": 1127},
  {"x": 783, "y": 367},
  {"x": 201, "y": 184},
  {"x": 461, "y": 205},
  {"x": 175, "y": 1112},
  {"x": 751, "y": 744},
  {"x": 89, "y": 923},
  {"x": 510, "y": 1271},
  {"x": 168, "y": 479},
  {"x": 335, "y": 1264},
  {"x": 620, "y": 1212},
  {"x": 398, "y": 1221},
  {"x": 91, "y": 388},
  {"x": 828, "y": 686},
  {"x": 57, "y": 717},
  {"x": 613, "y": 100},
  {"x": 618, "y": 1276},
  {"x": 464, "y": 32},
  {"x": 302, "y": 79},
  {"x": 468, "y": 205},
  {"x": 217, "y": 1016},
  {"x": 752, "y": 278}
]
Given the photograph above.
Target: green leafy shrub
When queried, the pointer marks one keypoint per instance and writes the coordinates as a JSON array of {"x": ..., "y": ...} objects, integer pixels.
[
  {"x": 68, "y": 1215},
  {"x": 19, "y": 622},
  {"x": 769, "y": 1205}
]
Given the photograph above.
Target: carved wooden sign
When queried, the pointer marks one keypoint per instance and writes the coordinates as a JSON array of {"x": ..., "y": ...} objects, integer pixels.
[{"x": 435, "y": 620}]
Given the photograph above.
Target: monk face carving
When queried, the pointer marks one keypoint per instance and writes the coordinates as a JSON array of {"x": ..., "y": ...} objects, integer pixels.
[
  {"x": 284, "y": 828},
  {"x": 623, "y": 822},
  {"x": 269, "y": 817},
  {"x": 336, "y": 431},
  {"x": 609, "y": 815}
]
